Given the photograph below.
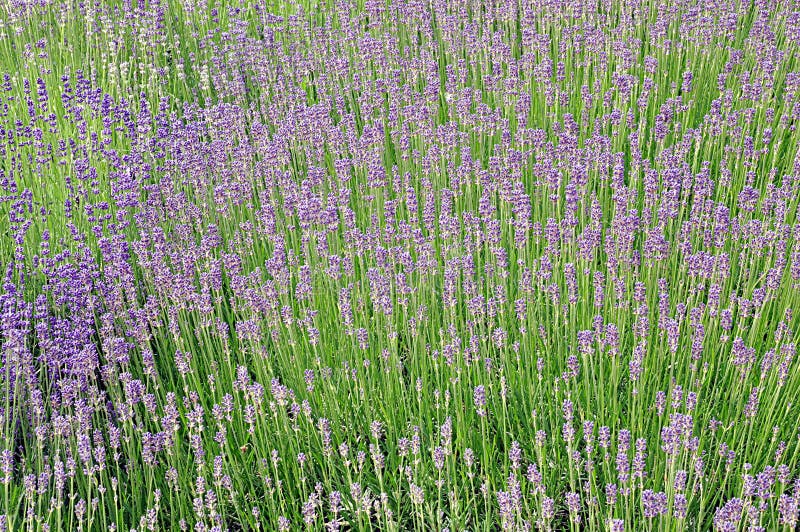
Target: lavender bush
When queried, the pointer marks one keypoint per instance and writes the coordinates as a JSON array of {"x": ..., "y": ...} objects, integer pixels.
[{"x": 459, "y": 265}]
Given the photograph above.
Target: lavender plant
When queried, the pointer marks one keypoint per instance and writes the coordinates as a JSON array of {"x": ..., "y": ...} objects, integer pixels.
[{"x": 370, "y": 265}]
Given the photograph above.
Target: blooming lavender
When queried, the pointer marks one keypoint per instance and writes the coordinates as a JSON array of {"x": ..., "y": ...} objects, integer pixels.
[{"x": 399, "y": 266}]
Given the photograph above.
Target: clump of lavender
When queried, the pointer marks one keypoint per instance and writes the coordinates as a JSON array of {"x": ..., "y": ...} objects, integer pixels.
[{"x": 410, "y": 265}]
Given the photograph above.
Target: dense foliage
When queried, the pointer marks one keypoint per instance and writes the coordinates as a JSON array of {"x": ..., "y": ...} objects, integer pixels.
[{"x": 434, "y": 265}]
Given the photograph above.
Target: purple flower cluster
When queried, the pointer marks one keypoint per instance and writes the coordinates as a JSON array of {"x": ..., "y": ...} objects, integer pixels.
[{"x": 408, "y": 265}]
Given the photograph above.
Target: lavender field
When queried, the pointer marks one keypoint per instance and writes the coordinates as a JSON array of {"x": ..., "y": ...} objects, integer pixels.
[{"x": 435, "y": 265}]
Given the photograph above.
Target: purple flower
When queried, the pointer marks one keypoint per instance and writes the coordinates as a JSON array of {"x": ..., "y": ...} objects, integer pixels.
[
  {"x": 616, "y": 525},
  {"x": 679, "y": 506},
  {"x": 416, "y": 494},
  {"x": 439, "y": 455},
  {"x": 515, "y": 455},
  {"x": 479, "y": 397},
  {"x": 573, "y": 501},
  {"x": 548, "y": 508},
  {"x": 729, "y": 515},
  {"x": 789, "y": 510},
  {"x": 654, "y": 504}
]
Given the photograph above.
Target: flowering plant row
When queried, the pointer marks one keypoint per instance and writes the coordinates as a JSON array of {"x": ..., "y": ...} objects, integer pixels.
[{"x": 399, "y": 265}]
